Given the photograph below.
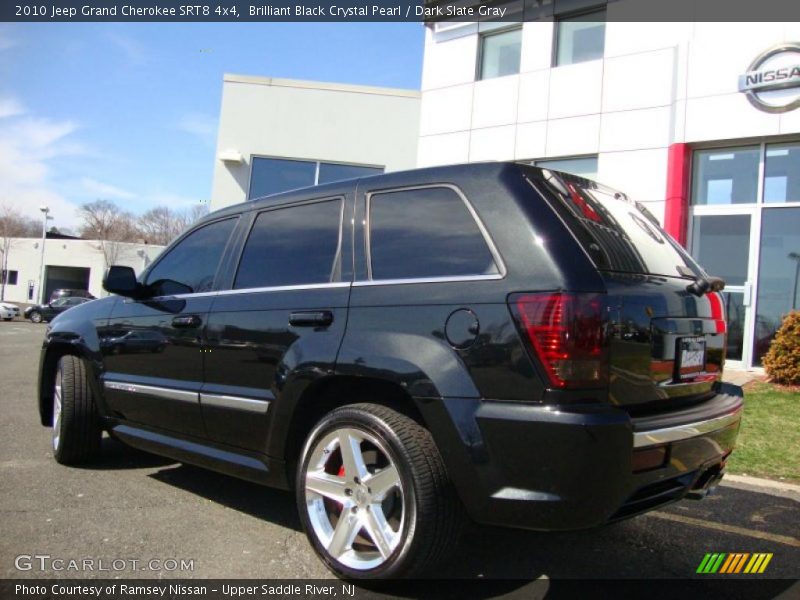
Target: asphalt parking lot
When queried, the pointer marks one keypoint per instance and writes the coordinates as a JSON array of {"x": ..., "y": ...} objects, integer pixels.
[{"x": 132, "y": 505}]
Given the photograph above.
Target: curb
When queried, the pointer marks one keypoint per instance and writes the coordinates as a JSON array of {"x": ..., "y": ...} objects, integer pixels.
[{"x": 765, "y": 486}]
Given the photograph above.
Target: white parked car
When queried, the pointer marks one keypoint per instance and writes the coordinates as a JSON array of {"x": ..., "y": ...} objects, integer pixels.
[{"x": 8, "y": 311}]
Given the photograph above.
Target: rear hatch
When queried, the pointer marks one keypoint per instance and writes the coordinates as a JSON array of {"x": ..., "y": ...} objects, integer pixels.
[{"x": 667, "y": 337}]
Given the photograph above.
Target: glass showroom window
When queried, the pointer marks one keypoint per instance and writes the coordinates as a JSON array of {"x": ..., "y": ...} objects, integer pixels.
[
  {"x": 275, "y": 175},
  {"x": 585, "y": 166},
  {"x": 728, "y": 176},
  {"x": 500, "y": 54},
  {"x": 746, "y": 229},
  {"x": 580, "y": 38}
]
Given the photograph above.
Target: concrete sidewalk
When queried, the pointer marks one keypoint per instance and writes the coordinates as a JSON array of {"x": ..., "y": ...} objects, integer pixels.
[
  {"x": 741, "y": 377},
  {"x": 764, "y": 486}
]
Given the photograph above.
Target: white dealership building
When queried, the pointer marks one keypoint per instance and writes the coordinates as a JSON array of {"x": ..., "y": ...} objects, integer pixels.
[
  {"x": 69, "y": 263},
  {"x": 699, "y": 121}
]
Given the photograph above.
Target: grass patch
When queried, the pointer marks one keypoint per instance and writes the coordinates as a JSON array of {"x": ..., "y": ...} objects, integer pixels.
[{"x": 769, "y": 439}]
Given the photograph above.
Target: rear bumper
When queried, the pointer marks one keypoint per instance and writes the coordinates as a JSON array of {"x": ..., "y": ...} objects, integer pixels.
[{"x": 550, "y": 468}]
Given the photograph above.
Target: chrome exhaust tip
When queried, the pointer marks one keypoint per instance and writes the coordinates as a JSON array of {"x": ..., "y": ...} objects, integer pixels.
[{"x": 706, "y": 484}]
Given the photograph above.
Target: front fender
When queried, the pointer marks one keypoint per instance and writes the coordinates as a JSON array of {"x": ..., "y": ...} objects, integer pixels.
[{"x": 74, "y": 331}]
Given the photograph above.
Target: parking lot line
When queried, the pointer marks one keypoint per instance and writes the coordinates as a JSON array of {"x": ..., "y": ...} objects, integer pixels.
[{"x": 761, "y": 535}]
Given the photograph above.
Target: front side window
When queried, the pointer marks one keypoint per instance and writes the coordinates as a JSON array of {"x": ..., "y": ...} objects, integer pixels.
[
  {"x": 193, "y": 261},
  {"x": 500, "y": 54},
  {"x": 580, "y": 38},
  {"x": 297, "y": 245},
  {"x": 425, "y": 233}
]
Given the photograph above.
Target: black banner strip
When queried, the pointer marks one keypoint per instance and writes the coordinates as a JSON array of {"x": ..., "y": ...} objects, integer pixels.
[
  {"x": 707, "y": 587},
  {"x": 429, "y": 11}
]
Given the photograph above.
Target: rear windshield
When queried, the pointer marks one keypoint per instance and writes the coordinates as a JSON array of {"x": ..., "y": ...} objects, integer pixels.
[{"x": 619, "y": 234}]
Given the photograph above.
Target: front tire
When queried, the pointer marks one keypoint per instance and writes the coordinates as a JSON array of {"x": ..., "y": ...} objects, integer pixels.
[
  {"x": 76, "y": 427},
  {"x": 36, "y": 317},
  {"x": 374, "y": 496}
]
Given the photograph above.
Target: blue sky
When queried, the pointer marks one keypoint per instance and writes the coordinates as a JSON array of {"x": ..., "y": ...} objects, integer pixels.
[{"x": 128, "y": 111}]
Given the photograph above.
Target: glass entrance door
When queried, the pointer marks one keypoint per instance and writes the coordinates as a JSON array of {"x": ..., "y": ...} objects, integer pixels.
[
  {"x": 745, "y": 228},
  {"x": 722, "y": 244}
]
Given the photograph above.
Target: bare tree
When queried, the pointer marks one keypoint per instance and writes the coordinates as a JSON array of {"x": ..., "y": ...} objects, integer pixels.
[
  {"x": 111, "y": 226},
  {"x": 161, "y": 225},
  {"x": 191, "y": 215},
  {"x": 12, "y": 225}
]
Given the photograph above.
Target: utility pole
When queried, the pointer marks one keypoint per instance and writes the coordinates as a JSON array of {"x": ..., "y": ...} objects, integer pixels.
[{"x": 45, "y": 210}]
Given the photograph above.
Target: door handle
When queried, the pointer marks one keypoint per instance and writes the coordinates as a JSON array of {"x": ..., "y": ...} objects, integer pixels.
[
  {"x": 187, "y": 322},
  {"x": 315, "y": 318}
]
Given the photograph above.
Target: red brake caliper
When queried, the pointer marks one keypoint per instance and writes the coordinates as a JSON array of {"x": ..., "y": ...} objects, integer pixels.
[{"x": 340, "y": 474}]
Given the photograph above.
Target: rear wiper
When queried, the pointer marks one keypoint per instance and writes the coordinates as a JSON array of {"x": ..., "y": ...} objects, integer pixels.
[{"x": 703, "y": 285}]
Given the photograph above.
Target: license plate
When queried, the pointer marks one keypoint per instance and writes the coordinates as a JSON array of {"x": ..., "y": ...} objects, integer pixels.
[{"x": 692, "y": 356}]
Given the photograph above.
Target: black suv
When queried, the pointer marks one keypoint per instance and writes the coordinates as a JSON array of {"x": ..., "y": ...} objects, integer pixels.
[{"x": 516, "y": 345}]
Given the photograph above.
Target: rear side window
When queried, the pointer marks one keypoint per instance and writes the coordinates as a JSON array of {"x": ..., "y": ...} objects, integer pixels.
[
  {"x": 194, "y": 260},
  {"x": 292, "y": 246},
  {"x": 619, "y": 234},
  {"x": 425, "y": 233}
]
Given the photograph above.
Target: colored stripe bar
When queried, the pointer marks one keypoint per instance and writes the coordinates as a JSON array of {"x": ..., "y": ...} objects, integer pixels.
[
  {"x": 703, "y": 563},
  {"x": 727, "y": 565},
  {"x": 741, "y": 562},
  {"x": 754, "y": 562},
  {"x": 717, "y": 564},
  {"x": 765, "y": 563}
]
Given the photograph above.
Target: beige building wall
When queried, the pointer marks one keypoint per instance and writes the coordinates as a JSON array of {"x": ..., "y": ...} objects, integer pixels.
[{"x": 282, "y": 118}]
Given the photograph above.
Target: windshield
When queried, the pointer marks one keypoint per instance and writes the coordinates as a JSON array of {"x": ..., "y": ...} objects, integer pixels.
[{"x": 617, "y": 233}]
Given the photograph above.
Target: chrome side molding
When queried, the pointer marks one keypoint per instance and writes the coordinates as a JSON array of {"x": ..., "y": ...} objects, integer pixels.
[
  {"x": 216, "y": 400},
  {"x": 235, "y": 402},
  {"x": 152, "y": 390}
]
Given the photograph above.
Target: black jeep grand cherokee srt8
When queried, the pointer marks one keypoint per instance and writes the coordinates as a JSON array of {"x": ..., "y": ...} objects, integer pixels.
[{"x": 518, "y": 345}]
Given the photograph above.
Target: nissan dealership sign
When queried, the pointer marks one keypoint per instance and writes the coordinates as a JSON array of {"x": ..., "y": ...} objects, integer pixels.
[{"x": 772, "y": 83}]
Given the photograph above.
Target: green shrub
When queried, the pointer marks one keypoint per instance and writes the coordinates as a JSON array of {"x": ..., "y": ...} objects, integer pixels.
[{"x": 782, "y": 361}]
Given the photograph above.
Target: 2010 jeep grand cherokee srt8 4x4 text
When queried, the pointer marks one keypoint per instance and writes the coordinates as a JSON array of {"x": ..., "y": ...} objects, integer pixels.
[{"x": 494, "y": 341}]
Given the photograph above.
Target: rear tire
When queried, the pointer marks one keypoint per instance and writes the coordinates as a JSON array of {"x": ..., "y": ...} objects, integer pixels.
[
  {"x": 76, "y": 426},
  {"x": 402, "y": 515},
  {"x": 35, "y": 317}
]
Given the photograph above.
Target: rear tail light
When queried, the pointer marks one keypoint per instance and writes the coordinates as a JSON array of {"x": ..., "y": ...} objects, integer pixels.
[
  {"x": 717, "y": 312},
  {"x": 568, "y": 333}
]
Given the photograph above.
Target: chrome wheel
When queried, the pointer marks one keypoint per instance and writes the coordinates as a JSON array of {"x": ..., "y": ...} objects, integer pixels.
[
  {"x": 36, "y": 317},
  {"x": 57, "y": 398},
  {"x": 354, "y": 498}
]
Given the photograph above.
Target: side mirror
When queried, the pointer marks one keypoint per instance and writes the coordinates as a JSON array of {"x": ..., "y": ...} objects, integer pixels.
[{"x": 122, "y": 281}]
